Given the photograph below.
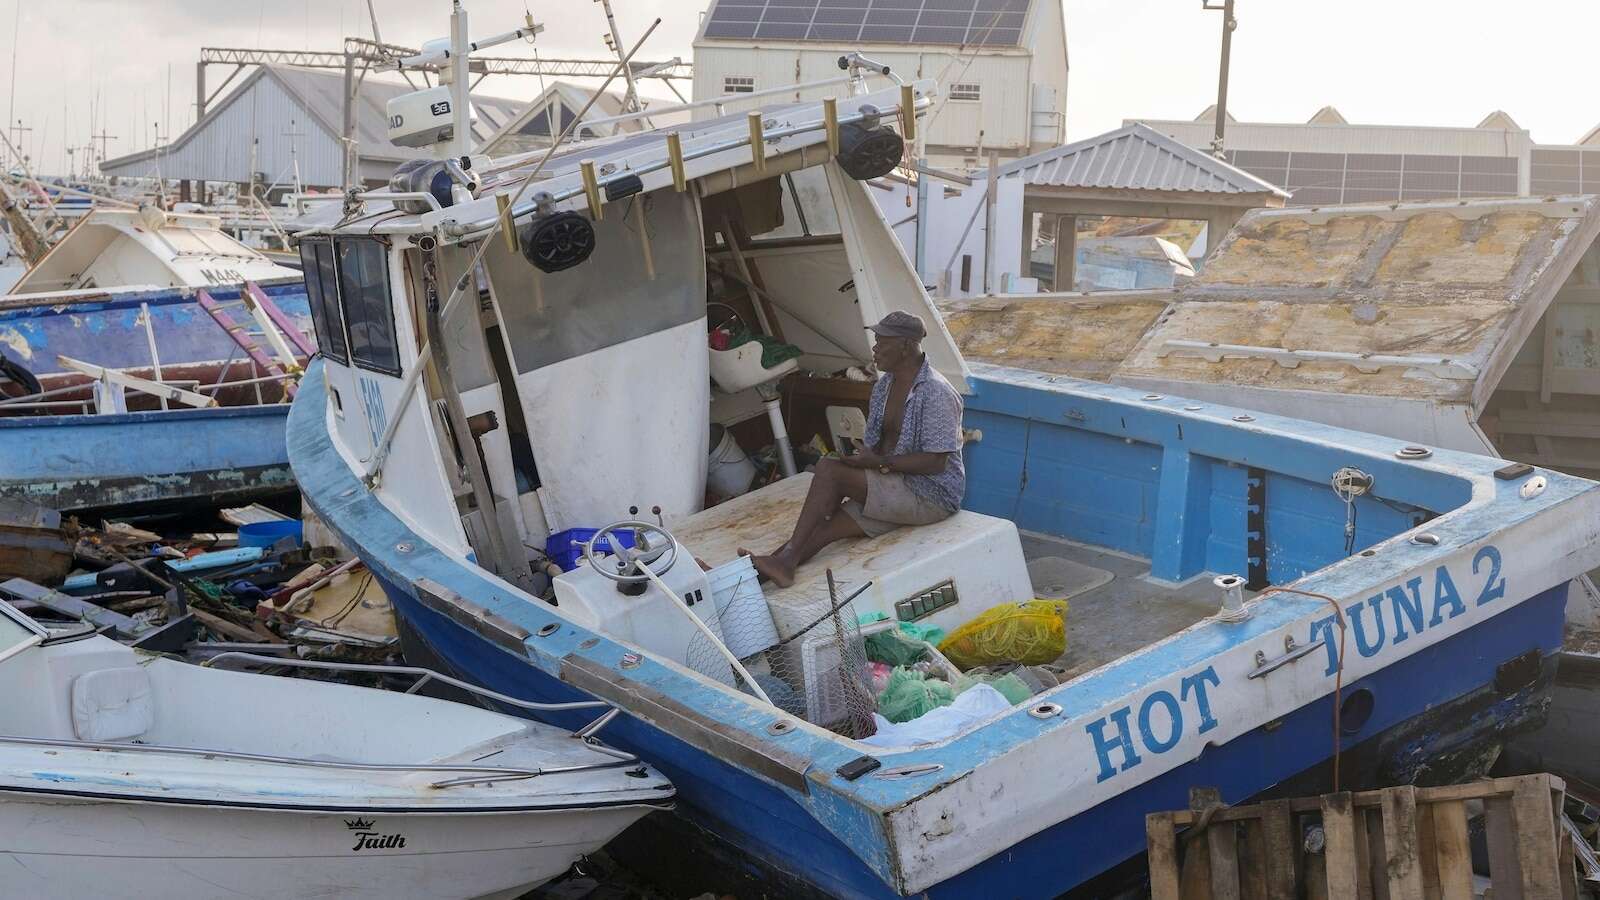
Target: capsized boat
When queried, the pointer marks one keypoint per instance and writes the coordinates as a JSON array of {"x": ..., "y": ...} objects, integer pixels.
[
  {"x": 1235, "y": 578},
  {"x": 130, "y": 774},
  {"x": 147, "y": 360}
]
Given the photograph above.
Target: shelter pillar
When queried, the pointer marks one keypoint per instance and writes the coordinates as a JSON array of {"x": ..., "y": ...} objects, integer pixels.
[
  {"x": 1218, "y": 224},
  {"x": 1066, "y": 252}
]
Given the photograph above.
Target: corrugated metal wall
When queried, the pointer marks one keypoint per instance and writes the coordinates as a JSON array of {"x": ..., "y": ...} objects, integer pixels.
[
  {"x": 266, "y": 114},
  {"x": 1350, "y": 138},
  {"x": 999, "y": 121}
]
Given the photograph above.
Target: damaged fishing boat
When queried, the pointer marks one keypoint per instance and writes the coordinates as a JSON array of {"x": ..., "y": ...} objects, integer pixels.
[
  {"x": 111, "y": 782},
  {"x": 147, "y": 359},
  {"x": 1238, "y": 581}
]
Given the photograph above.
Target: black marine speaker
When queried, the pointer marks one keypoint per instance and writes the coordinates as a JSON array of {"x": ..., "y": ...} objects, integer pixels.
[
  {"x": 558, "y": 241},
  {"x": 866, "y": 153}
]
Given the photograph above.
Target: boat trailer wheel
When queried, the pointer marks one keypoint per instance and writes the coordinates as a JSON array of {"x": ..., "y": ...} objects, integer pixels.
[
  {"x": 623, "y": 566},
  {"x": 866, "y": 153},
  {"x": 558, "y": 241}
]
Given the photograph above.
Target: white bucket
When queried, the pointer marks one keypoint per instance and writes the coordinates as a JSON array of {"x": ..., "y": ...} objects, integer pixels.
[
  {"x": 728, "y": 471},
  {"x": 741, "y": 608}
]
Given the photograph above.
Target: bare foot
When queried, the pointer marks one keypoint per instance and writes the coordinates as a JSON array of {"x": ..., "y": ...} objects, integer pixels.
[{"x": 772, "y": 568}]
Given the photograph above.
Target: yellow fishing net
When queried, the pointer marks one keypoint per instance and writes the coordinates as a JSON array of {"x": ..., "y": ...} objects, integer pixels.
[{"x": 1031, "y": 633}]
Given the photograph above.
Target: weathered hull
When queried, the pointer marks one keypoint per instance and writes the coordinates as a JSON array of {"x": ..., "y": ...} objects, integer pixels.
[
  {"x": 145, "y": 459},
  {"x": 61, "y": 846},
  {"x": 1440, "y": 703},
  {"x": 1429, "y": 631}
]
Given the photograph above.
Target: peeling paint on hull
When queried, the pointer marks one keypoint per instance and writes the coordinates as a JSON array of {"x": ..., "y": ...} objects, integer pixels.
[{"x": 147, "y": 459}]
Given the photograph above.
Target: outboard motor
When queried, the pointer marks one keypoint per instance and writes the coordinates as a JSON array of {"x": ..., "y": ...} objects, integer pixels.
[{"x": 557, "y": 241}]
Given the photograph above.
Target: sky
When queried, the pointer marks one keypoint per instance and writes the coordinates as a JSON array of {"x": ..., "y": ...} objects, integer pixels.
[{"x": 129, "y": 68}]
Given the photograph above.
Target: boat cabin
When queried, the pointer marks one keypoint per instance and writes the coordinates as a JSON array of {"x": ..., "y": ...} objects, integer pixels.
[{"x": 592, "y": 389}]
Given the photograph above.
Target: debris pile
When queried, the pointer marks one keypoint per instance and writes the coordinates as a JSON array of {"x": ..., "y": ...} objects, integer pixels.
[{"x": 243, "y": 580}]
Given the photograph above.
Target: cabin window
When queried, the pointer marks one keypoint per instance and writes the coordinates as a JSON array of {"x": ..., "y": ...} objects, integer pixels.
[
  {"x": 322, "y": 295},
  {"x": 966, "y": 91},
  {"x": 363, "y": 266},
  {"x": 738, "y": 84}
]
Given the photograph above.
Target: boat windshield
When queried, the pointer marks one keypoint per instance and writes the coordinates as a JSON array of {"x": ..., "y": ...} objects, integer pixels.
[{"x": 14, "y": 632}]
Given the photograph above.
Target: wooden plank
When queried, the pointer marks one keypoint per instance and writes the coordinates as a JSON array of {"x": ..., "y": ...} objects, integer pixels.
[
  {"x": 1281, "y": 846},
  {"x": 226, "y": 628},
  {"x": 1537, "y": 853},
  {"x": 285, "y": 325},
  {"x": 1161, "y": 844},
  {"x": 237, "y": 334},
  {"x": 1452, "y": 850},
  {"x": 1427, "y": 853},
  {"x": 1223, "y": 844},
  {"x": 72, "y": 607},
  {"x": 135, "y": 383},
  {"x": 1196, "y": 877},
  {"x": 1504, "y": 871},
  {"x": 1377, "y": 856},
  {"x": 1477, "y": 790},
  {"x": 1339, "y": 830},
  {"x": 1253, "y": 858},
  {"x": 1400, "y": 842},
  {"x": 1567, "y": 864},
  {"x": 1547, "y": 362}
]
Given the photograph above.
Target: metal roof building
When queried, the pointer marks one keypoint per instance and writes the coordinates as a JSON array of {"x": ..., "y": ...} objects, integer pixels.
[
  {"x": 1328, "y": 160},
  {"x": 546, "y": 116},
  {"x": 1001, "y": 64},
  {"x": 1133, "y": 171},
  {"x": 284, "y": 124}
]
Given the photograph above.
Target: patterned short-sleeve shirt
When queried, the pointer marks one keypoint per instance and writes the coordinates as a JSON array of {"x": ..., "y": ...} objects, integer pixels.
[{"x": 932, "y": 424}]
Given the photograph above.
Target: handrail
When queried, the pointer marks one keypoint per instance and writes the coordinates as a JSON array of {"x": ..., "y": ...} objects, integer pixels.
[
  {"x": 424, "y": 676},
  {"x": 489, "y": 773},
  {"x": 468, "y": 230}
]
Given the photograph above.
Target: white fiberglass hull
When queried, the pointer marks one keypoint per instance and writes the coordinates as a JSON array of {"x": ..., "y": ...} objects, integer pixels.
[{"x": 61, "y": 846}]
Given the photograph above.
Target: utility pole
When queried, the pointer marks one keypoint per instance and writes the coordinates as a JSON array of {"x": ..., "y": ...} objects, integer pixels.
[{"x": 1228, "y": 24}]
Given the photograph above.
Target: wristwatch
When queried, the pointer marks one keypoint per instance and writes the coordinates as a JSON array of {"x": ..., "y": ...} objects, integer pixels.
[{"x": 883, "y": 468}]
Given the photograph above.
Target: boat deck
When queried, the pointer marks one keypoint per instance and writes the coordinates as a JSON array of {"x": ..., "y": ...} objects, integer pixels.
[{"x": 1115, "y": 607}]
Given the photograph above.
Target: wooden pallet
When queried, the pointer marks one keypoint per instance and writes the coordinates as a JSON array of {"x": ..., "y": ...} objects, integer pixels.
[{"x": 1398, "y": 843}]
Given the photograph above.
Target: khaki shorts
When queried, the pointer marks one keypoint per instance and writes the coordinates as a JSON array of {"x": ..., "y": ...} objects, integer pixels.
[{"x": 891, "y": 504}]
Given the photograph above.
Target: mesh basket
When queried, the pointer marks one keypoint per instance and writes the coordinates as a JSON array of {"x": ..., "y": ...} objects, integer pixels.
[{"x": 818, "y": 672}]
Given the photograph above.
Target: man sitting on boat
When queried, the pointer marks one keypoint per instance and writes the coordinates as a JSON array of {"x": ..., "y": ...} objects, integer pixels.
[{"x": 909, "y": 473}]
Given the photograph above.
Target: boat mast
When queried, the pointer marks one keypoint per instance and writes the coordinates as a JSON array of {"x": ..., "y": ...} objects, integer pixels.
[{"x": 460, "y": 100}]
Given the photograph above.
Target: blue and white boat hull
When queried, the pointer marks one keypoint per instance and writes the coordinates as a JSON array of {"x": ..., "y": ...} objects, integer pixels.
[
  {"x": 1047, "y": 796},
  {"x": 139, "y": 459},
  {"x": 58, "y": 457}
]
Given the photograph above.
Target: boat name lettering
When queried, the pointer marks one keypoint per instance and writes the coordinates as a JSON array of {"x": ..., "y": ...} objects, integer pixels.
[
  {"x": 371, "y": 840},
  {"x": 1158, "y": 725},
  {"x": 1412, "y": 608}
]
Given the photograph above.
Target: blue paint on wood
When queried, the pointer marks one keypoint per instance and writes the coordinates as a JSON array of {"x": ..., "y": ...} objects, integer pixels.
[{"x": 106, "y": 330}]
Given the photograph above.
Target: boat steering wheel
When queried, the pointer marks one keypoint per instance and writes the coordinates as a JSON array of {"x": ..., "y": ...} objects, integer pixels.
[{"x": 624, "y": 565}]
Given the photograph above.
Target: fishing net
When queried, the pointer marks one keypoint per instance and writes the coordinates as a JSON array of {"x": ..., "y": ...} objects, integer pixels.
[{"x": 808, "y": 658}]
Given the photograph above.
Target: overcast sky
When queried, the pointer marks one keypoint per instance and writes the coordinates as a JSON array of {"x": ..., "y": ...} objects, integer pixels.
[{"x": 1419, "y": 62}]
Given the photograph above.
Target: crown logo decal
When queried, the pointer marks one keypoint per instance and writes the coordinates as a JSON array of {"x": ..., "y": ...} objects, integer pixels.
[{"x": 356, "y": 824}]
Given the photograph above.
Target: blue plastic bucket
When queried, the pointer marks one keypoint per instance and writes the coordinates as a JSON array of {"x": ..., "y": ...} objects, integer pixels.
[{"x": 265, "y": 534}]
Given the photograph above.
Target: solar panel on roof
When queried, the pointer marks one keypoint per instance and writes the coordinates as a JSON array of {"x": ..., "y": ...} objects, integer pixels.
[{"x": 990, "y": 23}]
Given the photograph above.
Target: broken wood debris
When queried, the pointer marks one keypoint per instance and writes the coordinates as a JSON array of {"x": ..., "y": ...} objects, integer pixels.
[{"x": 179, "y": 592}]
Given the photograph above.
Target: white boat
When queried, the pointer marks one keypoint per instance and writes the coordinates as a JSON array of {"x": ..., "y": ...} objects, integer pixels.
[{"x": 130, "y": 775}]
